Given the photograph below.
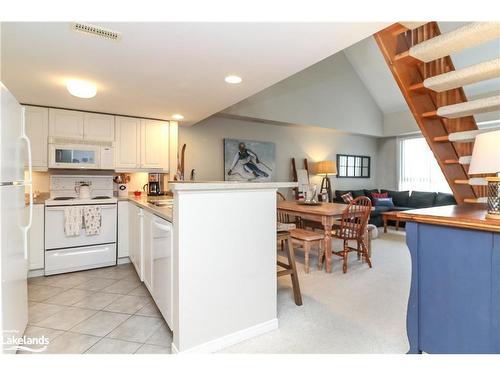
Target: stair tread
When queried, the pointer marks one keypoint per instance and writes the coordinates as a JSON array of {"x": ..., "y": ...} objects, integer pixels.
[
  {"x": 463, "y": 77},
  {"x": 466, "y": 36},
  {"x": 469, "y": 108}
]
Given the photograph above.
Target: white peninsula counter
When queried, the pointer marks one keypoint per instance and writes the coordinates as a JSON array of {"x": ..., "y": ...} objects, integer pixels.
[{"x": 224, "y": 263}]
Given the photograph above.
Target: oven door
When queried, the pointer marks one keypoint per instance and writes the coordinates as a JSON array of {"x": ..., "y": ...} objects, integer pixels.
[
  {"x": 74, "y": 156},
  {"x": 56, "y": 238}
]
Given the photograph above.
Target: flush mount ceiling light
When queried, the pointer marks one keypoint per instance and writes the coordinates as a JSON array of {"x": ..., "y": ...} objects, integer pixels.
[
  {"x": 81, "y": 89},
  {"x": 178, "y": 117},
  {"x": 233, "y": 79}
]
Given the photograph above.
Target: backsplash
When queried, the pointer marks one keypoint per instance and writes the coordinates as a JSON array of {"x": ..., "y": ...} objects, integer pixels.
[{"x": 41, "y": 179}]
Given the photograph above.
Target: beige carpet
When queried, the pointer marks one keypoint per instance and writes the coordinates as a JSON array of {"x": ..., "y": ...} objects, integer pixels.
[{"x": 363, "y": 311}]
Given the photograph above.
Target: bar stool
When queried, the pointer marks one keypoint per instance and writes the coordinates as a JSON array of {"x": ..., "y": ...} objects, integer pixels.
[{"x": 284, "y": 237}]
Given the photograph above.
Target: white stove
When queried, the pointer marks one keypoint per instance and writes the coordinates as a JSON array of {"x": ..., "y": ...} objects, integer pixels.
[
  {"x": 71, "y": 201},
  {"x": 78, "y": 251}
]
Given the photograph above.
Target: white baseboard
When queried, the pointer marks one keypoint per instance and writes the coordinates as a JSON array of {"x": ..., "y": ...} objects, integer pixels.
[
  {"x": 35, "y": 273},
  {"x": 123, "y": 260},
  {"x": 231, "y": 339}
]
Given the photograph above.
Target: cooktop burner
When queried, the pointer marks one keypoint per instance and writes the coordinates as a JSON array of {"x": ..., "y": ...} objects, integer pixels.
[
  {"x": 63, "y": 198},
  {"x": 102, "y": 197}
]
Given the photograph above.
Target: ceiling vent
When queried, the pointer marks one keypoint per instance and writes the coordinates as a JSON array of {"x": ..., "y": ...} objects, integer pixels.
[{"x": 96, "y": 30}]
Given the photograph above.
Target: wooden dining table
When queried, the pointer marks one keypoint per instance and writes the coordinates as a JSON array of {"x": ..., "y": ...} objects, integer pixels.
[{"x": 325, "y": 213}]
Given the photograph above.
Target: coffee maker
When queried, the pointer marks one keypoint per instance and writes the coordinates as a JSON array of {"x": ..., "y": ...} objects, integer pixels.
[{"x": 156, "y": 184}]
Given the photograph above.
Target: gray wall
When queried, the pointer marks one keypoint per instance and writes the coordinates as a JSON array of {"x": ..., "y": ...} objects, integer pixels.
[
  {"x": 387, "y": 165},
  {"x": 328, "y": 94},
  {"x": 204, "y": 150}
]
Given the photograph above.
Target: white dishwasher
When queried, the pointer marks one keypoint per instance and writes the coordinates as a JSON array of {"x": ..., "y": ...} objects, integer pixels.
[{"x": 161, "y": 247}]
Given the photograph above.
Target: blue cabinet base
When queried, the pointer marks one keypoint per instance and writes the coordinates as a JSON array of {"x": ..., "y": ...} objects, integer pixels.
[{"x": 454, "y": 303}]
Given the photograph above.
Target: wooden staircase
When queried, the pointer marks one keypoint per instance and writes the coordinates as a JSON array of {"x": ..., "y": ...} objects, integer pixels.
[{"x": 418, "y": 57}]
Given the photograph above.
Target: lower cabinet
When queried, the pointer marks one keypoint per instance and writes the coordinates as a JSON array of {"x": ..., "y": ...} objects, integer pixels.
[
  {"x": 35, "y": 238},
  {"x": 136, "y": 216},
  {"x": 147, "y": 251},
  {"x": 150, "y": 249}
]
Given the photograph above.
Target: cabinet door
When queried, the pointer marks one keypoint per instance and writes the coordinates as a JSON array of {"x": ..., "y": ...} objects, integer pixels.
[
  {"x": 127, "y": 147},
  {"x": 35, "y": 238},
  {"x": 135, "y": 239},
  {"x": 65, "y": 124},
  {"x": 37, "y": 130},
  {"x": 123, "y": 229},
  {"x": 147, "y": 251},
  {"x": 97, "y": 127},
  {"x": 154, "y": 144}
]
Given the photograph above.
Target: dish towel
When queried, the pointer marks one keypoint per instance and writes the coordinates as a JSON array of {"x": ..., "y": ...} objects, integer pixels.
[
  {"x": 72, "y": 221},
  {"x": 92, "y": 220}
]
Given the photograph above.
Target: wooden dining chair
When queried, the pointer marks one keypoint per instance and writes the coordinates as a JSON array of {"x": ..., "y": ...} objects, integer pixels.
[
  {"x": 353, "y": 228},
  {"x": 289, "y": 268}
]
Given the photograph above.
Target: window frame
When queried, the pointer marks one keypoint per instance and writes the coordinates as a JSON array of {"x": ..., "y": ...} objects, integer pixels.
[{"x": 362, "y": 158}]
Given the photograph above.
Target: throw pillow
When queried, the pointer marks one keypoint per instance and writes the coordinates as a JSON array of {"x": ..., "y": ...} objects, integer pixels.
[
  {"x": 380, "y": 195},
  {"x": 383, "y": 202},
  {"x": 347, "y": 198},
  {"x": 339, "y": 193}
]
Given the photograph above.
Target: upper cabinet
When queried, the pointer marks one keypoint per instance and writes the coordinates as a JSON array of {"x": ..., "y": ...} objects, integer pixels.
[
  {"x": 37, "y": 130},
  {"x": 154, "y": 144},
  {"x": 128, "y": 143},
  {"x": 139, "y": 144},
  {"x": 81, "y": 125},
  {"x": 66, "y": 124},
  {"x": 99, "y": 127}
]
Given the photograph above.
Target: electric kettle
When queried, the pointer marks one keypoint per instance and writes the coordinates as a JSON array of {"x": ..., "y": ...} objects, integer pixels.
[{"x": 83, "y": 191}]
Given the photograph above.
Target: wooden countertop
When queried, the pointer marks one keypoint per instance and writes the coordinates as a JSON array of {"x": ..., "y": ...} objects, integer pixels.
[
  {"x": 324, "y": 209},
  {"x": 469, "y": 216}
]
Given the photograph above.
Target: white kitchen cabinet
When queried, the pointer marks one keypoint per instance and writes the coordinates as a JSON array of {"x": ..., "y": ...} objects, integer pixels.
[
  {"x": 99, "y": 127},
  {"x": 147, "y": 250},
  {"x": 35, "y": 238},
  {"x": 128, "y": 143},
  {"x": 66, "y": 124},
  {"x": 37, "y": 130},
  {"x": 123, "y": 229},
  {"x": 154, "y": 145},
  {"x": 136, "y": 217}
]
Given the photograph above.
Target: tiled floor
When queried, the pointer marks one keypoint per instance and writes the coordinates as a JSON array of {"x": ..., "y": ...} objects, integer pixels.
[{"x": 102, "y": 311}]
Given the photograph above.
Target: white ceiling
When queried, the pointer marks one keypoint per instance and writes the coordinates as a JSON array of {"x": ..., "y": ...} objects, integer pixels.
[
  {"x": 369, "y": 64},
  {"x": 158, "y": 69}
]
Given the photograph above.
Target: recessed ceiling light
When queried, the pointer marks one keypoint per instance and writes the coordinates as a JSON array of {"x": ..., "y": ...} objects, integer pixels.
[
  {"x": 177, "y": 116},
  {"x": 233, "y": 79},
  {"x": 81, "y": 89}
]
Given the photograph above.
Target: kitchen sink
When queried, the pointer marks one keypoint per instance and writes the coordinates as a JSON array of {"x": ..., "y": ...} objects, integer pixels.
[{"x": 161, "y": 203}]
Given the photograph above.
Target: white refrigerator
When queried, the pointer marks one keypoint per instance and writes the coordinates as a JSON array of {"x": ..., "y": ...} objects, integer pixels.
[{"x": 14, "y": 223}]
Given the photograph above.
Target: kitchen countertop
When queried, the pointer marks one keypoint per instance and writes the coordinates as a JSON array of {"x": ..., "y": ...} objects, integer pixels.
[
  {"x": 227, "y": 185},
  {"x": 469, "y": 216},
  {"x": 164, "y": 212}
]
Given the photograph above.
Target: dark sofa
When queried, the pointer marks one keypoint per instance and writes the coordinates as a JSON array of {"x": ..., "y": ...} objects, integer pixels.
[{"x": 403, "y": 201}]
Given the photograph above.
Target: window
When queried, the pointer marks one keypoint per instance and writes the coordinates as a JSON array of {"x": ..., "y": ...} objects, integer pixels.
[
  {"x": 418, "y": 168},
  {"x": 353, "y": 166}
]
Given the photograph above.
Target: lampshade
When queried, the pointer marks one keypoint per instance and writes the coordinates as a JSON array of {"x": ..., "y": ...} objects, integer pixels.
[
  {"x": 326, "y": 167},
  {"x": 486, "y": 153}
]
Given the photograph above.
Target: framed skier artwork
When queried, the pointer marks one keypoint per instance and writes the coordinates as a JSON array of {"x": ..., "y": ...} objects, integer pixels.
[{"x": 246, "y": 160}]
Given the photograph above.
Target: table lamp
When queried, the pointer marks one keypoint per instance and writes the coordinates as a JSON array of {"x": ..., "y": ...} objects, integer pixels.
[
  {"x": 486, "y": 159},
  {"x": 325, "y": 168}
]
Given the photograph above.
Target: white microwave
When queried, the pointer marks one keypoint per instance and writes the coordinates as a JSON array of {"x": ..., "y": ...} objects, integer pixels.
[{"x": 81, "y": 156}]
